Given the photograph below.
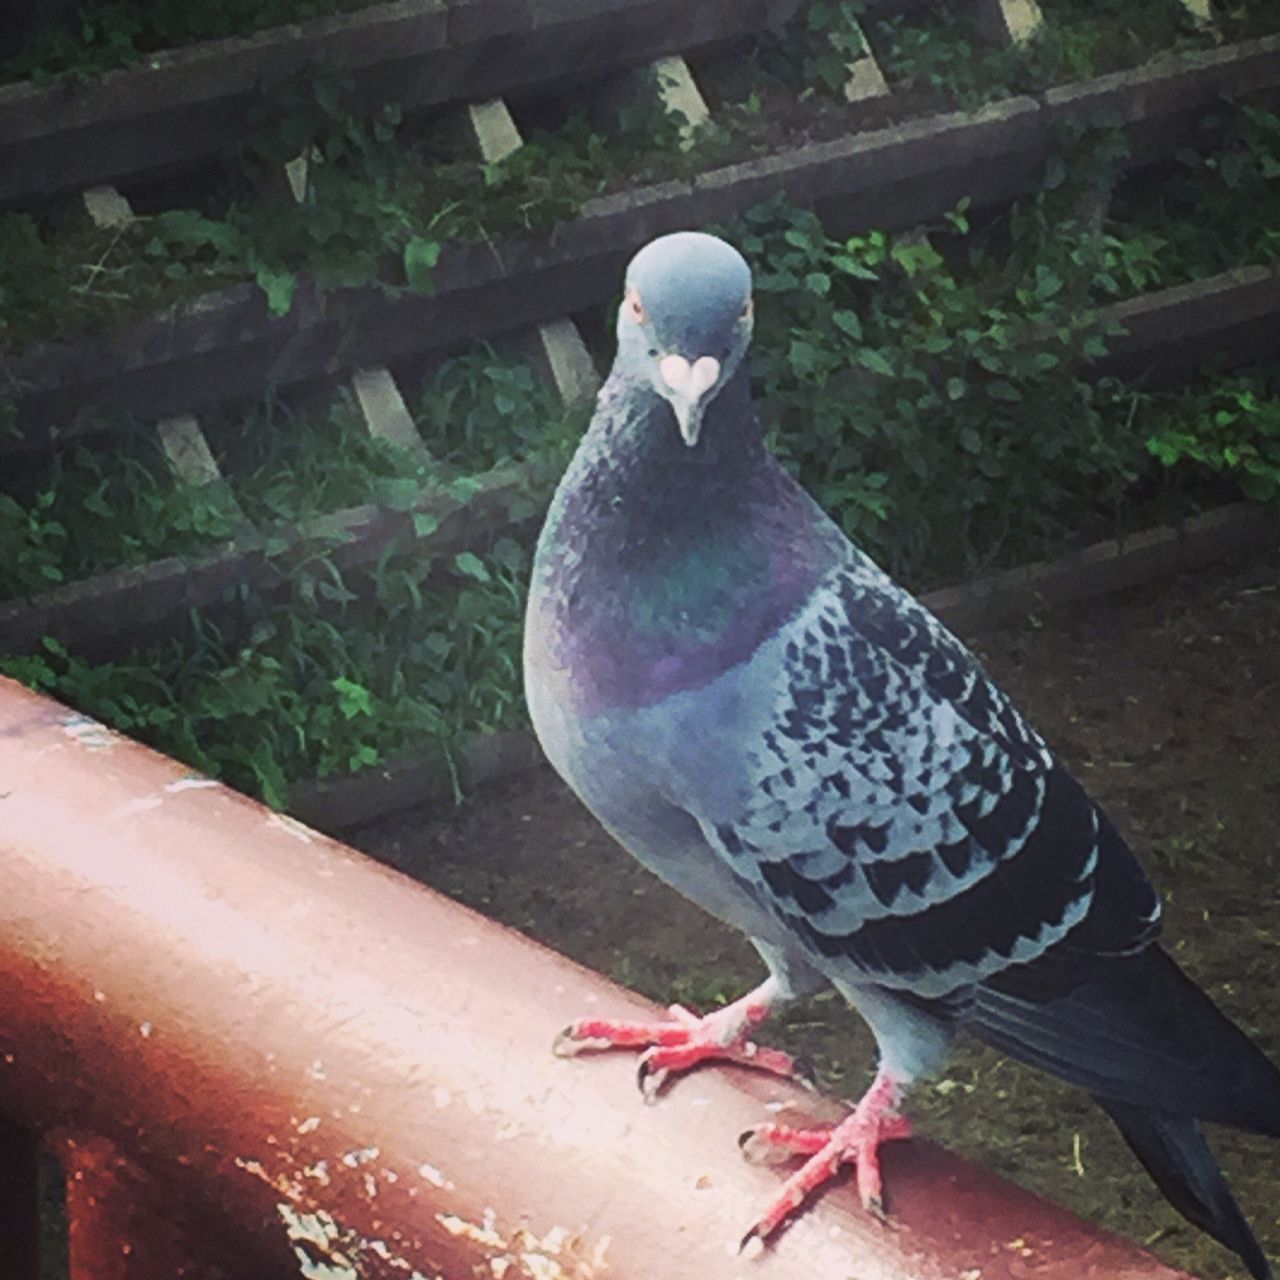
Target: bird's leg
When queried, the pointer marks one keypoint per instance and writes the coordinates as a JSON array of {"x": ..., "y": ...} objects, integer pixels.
[
  {"x": 855, "y": 1140},
  {"x": 686, "y": 1039}
]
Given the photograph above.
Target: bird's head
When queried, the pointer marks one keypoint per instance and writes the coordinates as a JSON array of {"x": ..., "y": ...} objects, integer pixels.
[{"x": 685, "y": 321}]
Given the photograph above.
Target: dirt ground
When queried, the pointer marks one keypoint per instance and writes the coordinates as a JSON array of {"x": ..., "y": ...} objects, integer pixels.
[{"x": 1166, "y": 702}]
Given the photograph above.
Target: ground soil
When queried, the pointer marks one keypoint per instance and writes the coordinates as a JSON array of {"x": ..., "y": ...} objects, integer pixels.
[{"x": 1166, "y": 702}]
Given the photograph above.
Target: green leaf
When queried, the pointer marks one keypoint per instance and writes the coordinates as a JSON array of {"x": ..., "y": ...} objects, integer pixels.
[
  {"x": 400, "y": 493},
  {"x": 363, "y": 757},
  {"x": 279, "y": 287},
  {"x": 353, "y": 698},
  {"x": 847, "y": 322},
  {"x": 467, "y": 562},
  {"x": 424, "y": 524},
  {"x": 420, "y": 258},
  {"x": 876, "y": 361},
  {"x": 1048, "y": 282},
  {"x": 851, "y": 266}
]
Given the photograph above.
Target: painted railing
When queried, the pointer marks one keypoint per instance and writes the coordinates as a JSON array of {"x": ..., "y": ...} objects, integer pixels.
[{"x": 257, "y": 1053}]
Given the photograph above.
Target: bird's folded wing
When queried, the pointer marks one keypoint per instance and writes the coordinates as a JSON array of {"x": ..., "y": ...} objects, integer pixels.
[{"x": 898, "y": 815}]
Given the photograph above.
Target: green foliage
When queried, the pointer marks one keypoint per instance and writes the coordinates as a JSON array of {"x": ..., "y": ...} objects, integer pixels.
[
  {"x": 291, "y": 462},
  {"x": 814, "y": 49},
  {"x": 938, "y": 50},
  {"x": 91, "y": 509},
  {"x": 58, "y": 281},
  {"x": 352, "y": 223},
  {"x": 343, "y": 672},
  {"x": 1231, "y": 427},
  {"x": 478, "y": 409},
  {"x": 323, "y": 683},
  {"x": 1219, "y": 208},
  {"x": 1092, "y": 37},
  {"x": 374, "y": 211},
  {"x": 31, "y": 278},
  {"x": 1065, "y": 232},
  {"x": 942, "y": 421}
]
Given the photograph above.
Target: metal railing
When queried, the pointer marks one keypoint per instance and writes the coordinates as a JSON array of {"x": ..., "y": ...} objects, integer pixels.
[{"x": 258, "y": 1053}]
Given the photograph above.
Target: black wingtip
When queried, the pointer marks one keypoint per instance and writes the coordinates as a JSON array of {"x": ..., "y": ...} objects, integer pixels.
[{"x": 1178, "y": 1158}]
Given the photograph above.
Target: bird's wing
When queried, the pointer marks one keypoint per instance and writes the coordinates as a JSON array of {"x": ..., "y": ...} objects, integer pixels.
[{"x": 899, "y": 816}]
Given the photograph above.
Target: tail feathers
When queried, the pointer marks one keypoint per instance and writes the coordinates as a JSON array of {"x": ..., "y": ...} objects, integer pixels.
[
  {"x": 1135, "y": 1030},
  {"x": 1174, "y": 1152}
]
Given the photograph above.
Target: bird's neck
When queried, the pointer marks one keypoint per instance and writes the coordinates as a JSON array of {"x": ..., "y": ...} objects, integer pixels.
[{"x": 662, "y": 565}]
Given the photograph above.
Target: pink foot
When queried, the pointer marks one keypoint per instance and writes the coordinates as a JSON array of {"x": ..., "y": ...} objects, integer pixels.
[
  {"x": 855, "y": 1140},
  {"x": 687, "y": 1040}
]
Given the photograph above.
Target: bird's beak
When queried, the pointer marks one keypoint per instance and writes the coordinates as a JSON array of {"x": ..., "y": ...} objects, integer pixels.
[{"x": 687, "y": 385}]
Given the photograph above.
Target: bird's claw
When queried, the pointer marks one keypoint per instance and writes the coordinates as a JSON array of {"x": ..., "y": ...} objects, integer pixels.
[
  {"x": 757, "y": 1149},
  {"x": 686, "y": 1040},
  {"x": 651, "y": 1077},
  {"x": 856, "y": 1141},
  {"x": 570, "y": 1043}
]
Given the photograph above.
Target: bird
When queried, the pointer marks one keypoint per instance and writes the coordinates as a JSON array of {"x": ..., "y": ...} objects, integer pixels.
[{"x": 783, "y": 734}]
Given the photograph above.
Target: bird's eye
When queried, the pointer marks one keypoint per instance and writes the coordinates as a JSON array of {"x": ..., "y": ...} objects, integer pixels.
[{"x": 635, "y": 307}]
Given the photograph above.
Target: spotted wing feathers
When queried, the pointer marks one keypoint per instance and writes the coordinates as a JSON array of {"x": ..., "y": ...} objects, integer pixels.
[{"x": 902, "y": 819}]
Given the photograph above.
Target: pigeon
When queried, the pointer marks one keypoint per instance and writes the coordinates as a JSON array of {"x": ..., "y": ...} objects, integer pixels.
[{"x": 773, "y": 726}]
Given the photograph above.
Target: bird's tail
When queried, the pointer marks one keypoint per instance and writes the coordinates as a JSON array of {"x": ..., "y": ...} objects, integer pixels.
[{"x": 1174, "y": 1152}]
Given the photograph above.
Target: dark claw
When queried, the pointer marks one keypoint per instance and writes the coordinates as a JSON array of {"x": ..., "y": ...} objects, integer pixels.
[
  {"x": 650, "y": 1079},
  {"x": 744, "y": 1137},
  {"x": 752, "y": 1244}
]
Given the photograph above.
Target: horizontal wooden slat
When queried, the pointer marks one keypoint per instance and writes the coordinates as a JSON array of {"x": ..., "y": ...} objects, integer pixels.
[
  {"x": 227, "y": 346},
  {"x": 194, "y": 101}
]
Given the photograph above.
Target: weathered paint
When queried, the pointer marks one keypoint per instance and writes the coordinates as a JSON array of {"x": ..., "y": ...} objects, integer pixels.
[{"x": 286, "y": 979}]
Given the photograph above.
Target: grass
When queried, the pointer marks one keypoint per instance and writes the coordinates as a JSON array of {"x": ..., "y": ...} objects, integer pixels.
[
  {"x": 938, "y": 413},
  {"x": 85, "y": 510},
  {"x": 335, "y": 672},
  {"x": 927, "y": 390},
  {"x": 333, "y": 678},
  {"x": 288, "y": 462}
]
